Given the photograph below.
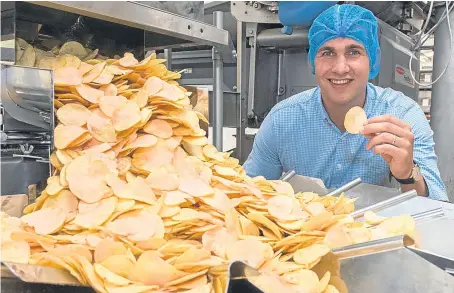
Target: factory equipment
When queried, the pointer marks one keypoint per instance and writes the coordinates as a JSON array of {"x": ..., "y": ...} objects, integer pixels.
[
  {"x": 111, "y": 28},
  {"x": 26, "y": 127},
  {"x": 250, "y": 85}
]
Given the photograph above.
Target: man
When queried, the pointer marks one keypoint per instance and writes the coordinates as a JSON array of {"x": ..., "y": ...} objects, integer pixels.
[{"x": 306, "y": 132}]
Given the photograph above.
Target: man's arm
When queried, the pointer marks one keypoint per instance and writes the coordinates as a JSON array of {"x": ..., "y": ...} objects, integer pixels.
[
  {"x": 424, "y": 156},
  {"x": 264, "y": 158},
  {"x": 403, "y": 143}
]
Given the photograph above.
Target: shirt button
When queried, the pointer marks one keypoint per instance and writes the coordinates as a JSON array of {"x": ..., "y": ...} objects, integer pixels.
[{"x": 339, "y": 166}]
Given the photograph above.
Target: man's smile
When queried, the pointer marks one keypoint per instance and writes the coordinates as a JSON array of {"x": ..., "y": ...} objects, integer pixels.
[{"x": 340, "y": 82}]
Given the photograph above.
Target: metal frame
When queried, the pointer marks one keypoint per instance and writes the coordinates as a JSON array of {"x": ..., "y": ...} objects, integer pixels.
[{"x": 144, "y": 17}]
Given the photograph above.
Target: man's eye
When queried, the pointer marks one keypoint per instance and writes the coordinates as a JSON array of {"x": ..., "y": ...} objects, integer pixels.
[
  {"x": 353, "y": 52},
  {"x": 327, "y": 53}
]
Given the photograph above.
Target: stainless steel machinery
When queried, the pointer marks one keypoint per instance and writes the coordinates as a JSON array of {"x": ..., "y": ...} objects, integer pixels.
[
  {"x": 27, "y": 123},
  {"x": 111, "y": 27}
]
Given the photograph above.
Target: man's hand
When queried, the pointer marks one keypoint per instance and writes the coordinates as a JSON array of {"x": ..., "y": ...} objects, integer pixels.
[{"x": 393, "y": 140}]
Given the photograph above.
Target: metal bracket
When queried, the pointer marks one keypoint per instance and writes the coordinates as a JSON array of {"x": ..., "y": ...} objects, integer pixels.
[
  {"x": 255, "y": 11},
  {"x": 228, "y": 53},
  {"x": 26, "y": 148}
]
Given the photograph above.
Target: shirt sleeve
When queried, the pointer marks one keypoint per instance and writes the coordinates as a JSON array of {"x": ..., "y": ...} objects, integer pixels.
[
  {"x": 264, "y": 158},
  {"x": 424, "y": 153}
]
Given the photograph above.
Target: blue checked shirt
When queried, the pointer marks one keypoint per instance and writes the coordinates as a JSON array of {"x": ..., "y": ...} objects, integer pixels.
[{"x": 299, "y": 135}]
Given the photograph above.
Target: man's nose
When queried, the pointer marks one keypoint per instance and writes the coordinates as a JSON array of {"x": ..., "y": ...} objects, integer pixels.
[{"x": 341, "y": 65}]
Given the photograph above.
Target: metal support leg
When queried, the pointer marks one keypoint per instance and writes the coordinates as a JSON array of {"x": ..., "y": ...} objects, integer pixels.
[
  {"x": 241, "y": 82},
  {"x": 442, "y": 106},
  {"x": 218, "y": 80},
  {"x": 168, "y": 57},
  {"x": 251, "y": 33}
]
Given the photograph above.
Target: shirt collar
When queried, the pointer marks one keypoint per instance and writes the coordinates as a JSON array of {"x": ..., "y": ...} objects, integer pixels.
[{"x": 368, "y": 106}]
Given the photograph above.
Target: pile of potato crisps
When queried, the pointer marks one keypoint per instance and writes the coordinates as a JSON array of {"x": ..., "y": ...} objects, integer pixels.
[
  {"x": 140, "y": 202},
  {"x": 29, "y": 55}
]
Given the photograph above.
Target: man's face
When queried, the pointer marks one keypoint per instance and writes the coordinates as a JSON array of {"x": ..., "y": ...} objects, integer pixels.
[{"x": 342, "y": 70}]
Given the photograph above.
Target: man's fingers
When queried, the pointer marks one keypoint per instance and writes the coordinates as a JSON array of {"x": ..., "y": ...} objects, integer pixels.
[
  {"x": 380, "y": 127},
  {"x": 387, "y": 138},
  {"x": 390, "y": 150},
  {"x": 391, "y": 119}
]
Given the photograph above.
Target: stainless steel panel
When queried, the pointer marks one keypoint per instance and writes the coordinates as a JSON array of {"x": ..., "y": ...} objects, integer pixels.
[
  {"x": 307, "y": 184},
  {"x": 395, "y": 49},
  {"x": 230, "y": 112},
  {"x": 394, "y": 271},
  {"x": 41, "y": 274},
  {"x": 265, "y": 86},
  {"x": 27, "y": 96},
  {"x": 18, "y": 173},
  {"x": 369, "y": 194},
  {"x": 141, "y": 16},
  {"x": 446, "y": 264},
  {"x": 386, "y": 265},
  {"x": 436, "y": 236},
  {"x": 196, "y": 68},
  {"x": 17, "y": 286},
  {"x": 27, "y": 127}
]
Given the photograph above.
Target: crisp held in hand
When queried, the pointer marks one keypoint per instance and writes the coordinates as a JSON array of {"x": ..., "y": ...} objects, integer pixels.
[{"x": 355, "y": 119}]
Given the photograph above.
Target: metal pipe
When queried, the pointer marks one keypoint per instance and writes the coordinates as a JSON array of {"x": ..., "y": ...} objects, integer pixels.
[
  {"x": 345, "y": 187},
  {"x": 442, "y": 105},
  {"x": 434, "y": 214},
  {"x": 274, "y": 38},
  {"x": 288, "y": 175},
  {"x": 218, "y": 80},
  {"x": 374, "y": 246},
  {"x": 168, "y": 57},
  {"x": 385, "y": 204}
]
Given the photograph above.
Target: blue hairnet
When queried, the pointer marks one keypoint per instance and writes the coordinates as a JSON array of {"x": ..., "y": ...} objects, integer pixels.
[{"x": 346, "y": 21}]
